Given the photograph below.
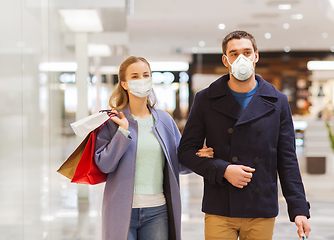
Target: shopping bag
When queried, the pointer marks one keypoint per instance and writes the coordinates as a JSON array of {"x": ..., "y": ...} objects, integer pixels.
[
  {"x": 84, "y": 126},
  {"x": 70, "y": 165},
  {"x": 86, "y": 171}
]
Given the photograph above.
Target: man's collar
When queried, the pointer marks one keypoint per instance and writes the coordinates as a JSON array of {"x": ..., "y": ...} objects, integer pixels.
[{"x": 219, "y": 87}]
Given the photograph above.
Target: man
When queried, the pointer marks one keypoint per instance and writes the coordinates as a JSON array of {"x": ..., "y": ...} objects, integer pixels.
[{"x": 248, "y": 124}]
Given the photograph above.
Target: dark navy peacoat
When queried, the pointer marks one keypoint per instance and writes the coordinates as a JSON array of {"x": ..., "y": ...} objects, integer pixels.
[{"x": 261, "y": 137}]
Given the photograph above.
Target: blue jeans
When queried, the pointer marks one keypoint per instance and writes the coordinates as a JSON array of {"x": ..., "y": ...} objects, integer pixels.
[{"x": 149, "y": 223}]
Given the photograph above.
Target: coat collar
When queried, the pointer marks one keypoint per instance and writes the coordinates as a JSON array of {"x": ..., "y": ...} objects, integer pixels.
[
  {"x": 261, "y": 103},
  {"x": 128, "y": 114},
  {"x": 219, "y": 87}
]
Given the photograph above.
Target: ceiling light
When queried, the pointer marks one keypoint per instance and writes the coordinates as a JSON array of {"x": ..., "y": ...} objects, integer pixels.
[
  {"x": 67, "y": 78},
  {"x": 324, "y": 35},
  {"x": 297, "y": 16},
  {"x": 82, "y": 20},
  {"x": 284, "y": 6},
  {"x": 267, "y": 35},
  {"x": 286, "y": 25},
  {"x": 157, "y": 77},
  {"x": 201, "y": 43},
  {"x": 320, "y": 65},
  {"x": 184, "y": 77},
  {"x": 169, "y": 66},
  {"x": 194, "y": 49},
  {"x": 221, "y": 26},
  {"x": 58, "y": 66},
  {"x": 287, "y": 49},
  {"x": 168, "y": 77},
  {"x": 98, "y": 50},
  {"x": 332, "y": 48}
]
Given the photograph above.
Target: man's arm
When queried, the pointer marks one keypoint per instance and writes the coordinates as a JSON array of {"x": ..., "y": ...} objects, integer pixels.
[
  {"x": 192, "y": 140},
  {"x": 289, "y": 174}
]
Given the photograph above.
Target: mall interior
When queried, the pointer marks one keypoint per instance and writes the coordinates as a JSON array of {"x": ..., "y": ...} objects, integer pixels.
[{"x": 59, "y": 63}]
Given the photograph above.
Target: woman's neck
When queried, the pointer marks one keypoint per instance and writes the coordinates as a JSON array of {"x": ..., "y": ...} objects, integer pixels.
[{"x": 138, "y": 107}]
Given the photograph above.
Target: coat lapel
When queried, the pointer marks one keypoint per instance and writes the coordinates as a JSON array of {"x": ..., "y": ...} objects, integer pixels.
[
  {"x": 225, "y": 103},
  {"x": 128, "y": 114},
  {"x": 228, "y": 105},
  {"x": 259, "y": 104}
]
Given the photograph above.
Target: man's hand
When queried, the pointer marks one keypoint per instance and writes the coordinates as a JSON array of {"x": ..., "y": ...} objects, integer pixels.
[
  {"x": 238, "y": 175},
  {"x": 303, "y": 226}
]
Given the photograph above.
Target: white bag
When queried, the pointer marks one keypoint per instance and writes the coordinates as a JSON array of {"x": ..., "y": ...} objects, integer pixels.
[{"x": 84, "y": 126}]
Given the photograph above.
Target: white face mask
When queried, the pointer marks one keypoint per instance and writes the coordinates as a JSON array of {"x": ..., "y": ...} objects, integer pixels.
[
  {"x": 141, "y": 87},
  {"x": 242, "y": 67}
]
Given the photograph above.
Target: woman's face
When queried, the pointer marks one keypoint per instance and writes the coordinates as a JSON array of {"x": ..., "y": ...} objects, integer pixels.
[{"x": 137, "y": 70}]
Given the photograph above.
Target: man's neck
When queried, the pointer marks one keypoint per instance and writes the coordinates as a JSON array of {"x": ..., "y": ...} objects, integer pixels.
[{"x": 242, "y": 86}]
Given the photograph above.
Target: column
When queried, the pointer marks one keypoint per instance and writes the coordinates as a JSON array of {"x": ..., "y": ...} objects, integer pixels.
[
  {"x": 81, "y": 57},
  {"x": 97, "y": 73}
]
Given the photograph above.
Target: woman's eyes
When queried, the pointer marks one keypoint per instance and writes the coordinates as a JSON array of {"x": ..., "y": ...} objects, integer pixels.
[{"x": 145, "y": 76}]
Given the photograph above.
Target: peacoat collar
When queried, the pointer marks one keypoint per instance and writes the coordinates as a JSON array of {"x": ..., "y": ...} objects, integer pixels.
[{"x": 262, "y": 102}]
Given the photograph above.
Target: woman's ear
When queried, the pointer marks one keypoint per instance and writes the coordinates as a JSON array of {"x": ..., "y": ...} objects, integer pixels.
[{"x": 124, "y": 85}]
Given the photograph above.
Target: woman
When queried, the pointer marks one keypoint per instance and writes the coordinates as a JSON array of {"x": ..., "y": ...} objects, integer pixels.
[{"x": 137, "y": 148}]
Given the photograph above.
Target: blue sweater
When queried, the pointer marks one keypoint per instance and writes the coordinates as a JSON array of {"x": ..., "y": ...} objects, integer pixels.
[{"x": 243, "y": 98}]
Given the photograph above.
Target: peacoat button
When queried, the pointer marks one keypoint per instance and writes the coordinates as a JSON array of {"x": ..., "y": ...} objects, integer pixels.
[
  {"x": 257, "y": 190},
  {"x": 213, "y": 167},
  {"x": 259, "y": 129},
  {"x": 234, "y": 159},
  {"x": 230, "y": 130},
  {"x": 256, "y": 160}
]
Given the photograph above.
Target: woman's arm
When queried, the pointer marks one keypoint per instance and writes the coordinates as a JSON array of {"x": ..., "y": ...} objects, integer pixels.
[{"x": 111, "y": 144}]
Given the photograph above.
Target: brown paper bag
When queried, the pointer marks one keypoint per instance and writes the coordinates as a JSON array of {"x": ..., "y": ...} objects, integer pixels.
[{"x": 70, "y": 165}]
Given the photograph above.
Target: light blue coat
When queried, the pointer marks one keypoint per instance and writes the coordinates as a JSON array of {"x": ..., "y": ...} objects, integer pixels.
[{"x": 116, "y": 155}]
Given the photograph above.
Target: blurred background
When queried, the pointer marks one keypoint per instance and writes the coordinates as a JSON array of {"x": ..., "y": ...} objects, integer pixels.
[{"x": 59, "y": 61}]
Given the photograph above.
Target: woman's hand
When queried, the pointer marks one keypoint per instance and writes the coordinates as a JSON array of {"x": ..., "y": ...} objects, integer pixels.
[
  {"x": 122, "y": 122},
  {"x": 205, "y": 152}
]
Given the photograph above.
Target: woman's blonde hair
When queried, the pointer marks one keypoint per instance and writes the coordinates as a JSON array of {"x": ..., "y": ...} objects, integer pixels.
[{"x": 119, "y": 98}]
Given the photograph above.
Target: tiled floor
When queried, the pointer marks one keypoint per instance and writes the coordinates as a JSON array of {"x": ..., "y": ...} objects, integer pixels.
[{"x": 46, "y": 206}]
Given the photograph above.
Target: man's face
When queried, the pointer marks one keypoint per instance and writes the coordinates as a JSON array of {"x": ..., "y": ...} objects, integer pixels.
[{"x": 235, "y": 47}]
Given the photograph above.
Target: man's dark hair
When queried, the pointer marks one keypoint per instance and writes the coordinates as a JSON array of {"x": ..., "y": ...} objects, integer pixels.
[{"x": 238, "y": 34}]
